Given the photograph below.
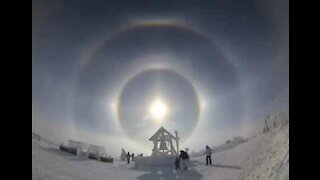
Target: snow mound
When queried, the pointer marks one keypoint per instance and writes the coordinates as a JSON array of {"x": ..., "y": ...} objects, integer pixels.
[{"x": 164, "y": 160}]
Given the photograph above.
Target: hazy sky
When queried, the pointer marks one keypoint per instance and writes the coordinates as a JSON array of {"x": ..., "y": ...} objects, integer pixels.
[{"x": 97, "y": 66}]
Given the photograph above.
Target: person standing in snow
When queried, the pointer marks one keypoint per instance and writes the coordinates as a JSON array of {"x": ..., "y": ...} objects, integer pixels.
[
  {"x": 184, "y": 159},
  {"x": 128, "y": 157},
  {"x": 132, "y": 156},
  {"x": 177, "y": 163},
  {"x": 208, "y": 155}
]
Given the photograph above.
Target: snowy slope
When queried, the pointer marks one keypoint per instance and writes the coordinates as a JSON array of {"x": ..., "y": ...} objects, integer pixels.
[{"x": 264, "y": 157}]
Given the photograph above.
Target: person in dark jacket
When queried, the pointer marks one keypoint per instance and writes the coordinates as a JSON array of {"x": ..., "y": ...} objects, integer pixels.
[
  {"x": 128, "y": 157},
  {"x": 184, "y": 159},
  {"x": 177, "y": 163},
  {"x": 132, "y": 156}
]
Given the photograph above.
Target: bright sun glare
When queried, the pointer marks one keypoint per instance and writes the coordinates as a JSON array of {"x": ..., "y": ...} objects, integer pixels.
[{"x": 158, "y": 110}]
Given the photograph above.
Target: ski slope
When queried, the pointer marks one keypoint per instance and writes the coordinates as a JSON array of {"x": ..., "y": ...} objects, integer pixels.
[{"x": 265, "y": 156}]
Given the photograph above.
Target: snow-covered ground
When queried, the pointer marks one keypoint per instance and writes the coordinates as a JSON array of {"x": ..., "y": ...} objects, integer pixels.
[{"x": 266, "y": 156}]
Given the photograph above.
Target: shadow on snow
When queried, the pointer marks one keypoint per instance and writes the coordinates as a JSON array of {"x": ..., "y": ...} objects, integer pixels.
[{"x": 168, "y": 172}]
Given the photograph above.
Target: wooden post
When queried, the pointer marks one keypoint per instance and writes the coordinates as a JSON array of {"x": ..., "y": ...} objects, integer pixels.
[
  {"x": 267, "y": 128},
  {"x": 177, "y": 141}
]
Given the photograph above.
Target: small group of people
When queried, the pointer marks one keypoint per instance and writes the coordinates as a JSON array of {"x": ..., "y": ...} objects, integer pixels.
[
  {"x": 130, "y": 156},
  {"x": 184, "y": 158}
]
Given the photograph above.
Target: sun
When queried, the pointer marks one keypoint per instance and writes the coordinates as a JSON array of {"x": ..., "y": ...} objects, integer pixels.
[{"x": 158, "y": 110}]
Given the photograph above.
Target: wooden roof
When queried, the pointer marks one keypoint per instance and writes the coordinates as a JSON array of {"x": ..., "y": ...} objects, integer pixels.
[{"x": 158, "y": 134}]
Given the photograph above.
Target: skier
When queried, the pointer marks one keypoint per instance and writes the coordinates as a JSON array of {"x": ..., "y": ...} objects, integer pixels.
[
  {"x": 128, "y": 157},
  {"x": 184, "y": 159},
  {"x": 208, "y": 155},
  {"x": 132, "y": 156}
]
